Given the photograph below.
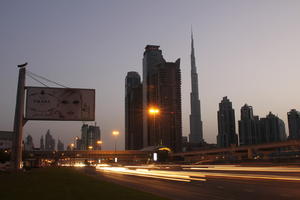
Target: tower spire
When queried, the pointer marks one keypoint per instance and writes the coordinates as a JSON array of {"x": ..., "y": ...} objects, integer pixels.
[{"x": 196, "y": 130}]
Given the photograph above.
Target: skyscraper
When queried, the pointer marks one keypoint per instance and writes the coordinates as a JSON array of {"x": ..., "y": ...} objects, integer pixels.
[
  {"x": 90, "y": 135},
  {"x": 60, "y": 145},
  {"x": 272, "y": 129},
  {"x": 94, "y": 135},
  {"x": 84, "y": 137},
  {"x": 42, "y": 146},
  {"x": 152, "y": 57},
  {"x": 294, "y": 124},
  {"x": 49, "y": 142},
  {"x": 28, "y": 146},
  {"x": 133, "y": 112},
  {"x": 248, "y": 126},
  {"x": 226, "y": 124},
  {"x": 196, "y": 127},
  {"x": 161, "y": 89}
]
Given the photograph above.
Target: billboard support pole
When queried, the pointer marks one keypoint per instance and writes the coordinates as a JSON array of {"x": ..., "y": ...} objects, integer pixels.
[{"x": 19, "y": 122}]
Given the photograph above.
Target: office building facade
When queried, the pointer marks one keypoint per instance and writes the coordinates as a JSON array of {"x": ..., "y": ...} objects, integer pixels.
[
  {"x": 249, "y": 130},
  {"x": 133, "y": 112},
  {"x": 294, "y": 124},
  {"x": 272, "y": 129},
  {"x": 162, "y": 90},
  {"x": 90, "y": 137},
  {"x": 226, "y": 125}
]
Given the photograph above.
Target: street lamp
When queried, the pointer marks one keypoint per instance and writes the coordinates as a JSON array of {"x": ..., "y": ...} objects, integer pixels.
[
  {"x": 115, "y": 133},
  {"x": 76, "y": 142},
  {"x": 99, "y": 143},
  {"x": 90, "y": 148},
  {"x": 154, "y": 111}
]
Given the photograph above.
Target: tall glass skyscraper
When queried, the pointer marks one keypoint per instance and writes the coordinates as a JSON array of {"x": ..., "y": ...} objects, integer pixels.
[{"x": 196, "y": 127}]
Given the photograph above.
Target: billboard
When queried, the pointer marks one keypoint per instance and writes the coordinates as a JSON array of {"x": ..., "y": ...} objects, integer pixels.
[{"x": 64, "y": 104}]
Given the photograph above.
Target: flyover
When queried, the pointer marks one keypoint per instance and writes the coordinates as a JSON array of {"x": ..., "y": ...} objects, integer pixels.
[
  {"x": 247, "y": 151},
  {"x": 129, "y": 156}
]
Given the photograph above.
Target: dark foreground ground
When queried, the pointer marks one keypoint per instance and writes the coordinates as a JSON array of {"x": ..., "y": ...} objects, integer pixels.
[{"x": 63, "y": 184}]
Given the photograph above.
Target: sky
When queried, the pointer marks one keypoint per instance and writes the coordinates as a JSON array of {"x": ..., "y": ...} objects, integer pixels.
[{"x": 248, "y": 50}]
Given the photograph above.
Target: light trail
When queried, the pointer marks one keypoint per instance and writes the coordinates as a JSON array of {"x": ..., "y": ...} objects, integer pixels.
[
  {"x": 188, "y": 176},
  {"x": 252, "y": 176},
  {"x": 166, "y": 175},
  {"x": 239, "y": 168}
]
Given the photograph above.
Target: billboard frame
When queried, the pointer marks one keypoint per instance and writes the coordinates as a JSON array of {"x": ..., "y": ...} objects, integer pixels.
[{"x": 26, "y": 118}]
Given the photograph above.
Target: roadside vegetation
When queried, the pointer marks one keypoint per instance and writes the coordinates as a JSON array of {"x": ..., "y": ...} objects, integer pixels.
[{"x": 63, "y": 183}]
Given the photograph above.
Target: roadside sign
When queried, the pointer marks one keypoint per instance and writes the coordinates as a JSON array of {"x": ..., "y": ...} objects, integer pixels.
[{"x": 62, "y": 104}]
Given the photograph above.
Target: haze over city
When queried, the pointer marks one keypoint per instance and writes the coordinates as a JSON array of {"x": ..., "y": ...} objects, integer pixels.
[{"x": 246, "y": 50}]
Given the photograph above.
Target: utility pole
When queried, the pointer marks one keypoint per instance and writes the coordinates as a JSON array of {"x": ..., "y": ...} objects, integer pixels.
[{"x": 19, "y": 121}]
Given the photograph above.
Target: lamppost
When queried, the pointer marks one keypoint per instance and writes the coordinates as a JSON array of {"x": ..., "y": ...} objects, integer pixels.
[
  {"x": 90, "y": 148},
  {"x": 76, "y": 143},
  {"x": 99, "y": 143},
  {"x": 72, "y": 146},
  {"x": 154, "y": 111},
  {"x": 115, "y": 134}
]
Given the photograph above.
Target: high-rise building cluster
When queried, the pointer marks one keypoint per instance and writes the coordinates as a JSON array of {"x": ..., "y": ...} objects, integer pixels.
[
  {"x": 153, "y": 105},
  {"x": 252, "y": 129},
  {"x": 90, "y": 138},
  {"x": 153, "y": 111},
  {"x": 48, "y": 144}
]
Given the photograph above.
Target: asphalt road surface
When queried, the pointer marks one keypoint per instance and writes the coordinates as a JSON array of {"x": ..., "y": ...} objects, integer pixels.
[{"x": 217, "y": 185}]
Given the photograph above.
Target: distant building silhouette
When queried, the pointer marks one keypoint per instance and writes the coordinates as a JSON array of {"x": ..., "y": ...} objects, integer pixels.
[
  {"x": 78, "y": 143},
  {"x": 226, "y": 124},
  {"x": 84, "y": 137},
  {"x": 90, "y": 135},
  {"x": 60, "y": 145},
  {"x": 249, "y": 130},
  {"x": 161, "y": 89},
  {"x": 272, "y": 129},
  {"x": 5, "y": 140},
  {"x": 42, "y": 144},
  {"x": 133, "y": 112},
  {"x": 49, "y": 142},
  {"x": 94, "y": 136},
  {"x": 294, "y": 124},
  {"x": 28, "y": 145},
  {"x": 196, "y": 127}
]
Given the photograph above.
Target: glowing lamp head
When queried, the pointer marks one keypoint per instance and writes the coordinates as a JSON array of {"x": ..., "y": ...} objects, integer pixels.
[
  {"x": 115, "y": 133},
  {"x": 90, "y": 147},
  {"x": 99, "y": 142},
  {"x": 153, "y": 111}
]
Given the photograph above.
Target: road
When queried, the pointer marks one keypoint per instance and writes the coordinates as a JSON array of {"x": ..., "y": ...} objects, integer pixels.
[{"x": 218, "y": 184}]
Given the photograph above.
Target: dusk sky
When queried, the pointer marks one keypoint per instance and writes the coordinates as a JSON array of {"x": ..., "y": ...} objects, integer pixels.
[{"x": 247, "y": 50}]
